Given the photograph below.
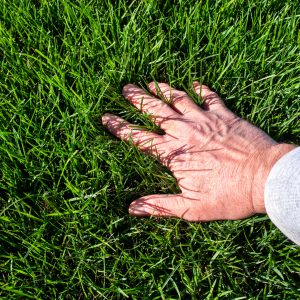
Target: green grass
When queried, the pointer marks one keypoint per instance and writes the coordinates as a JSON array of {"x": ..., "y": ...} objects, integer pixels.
[{"x": 66, "y": 183}]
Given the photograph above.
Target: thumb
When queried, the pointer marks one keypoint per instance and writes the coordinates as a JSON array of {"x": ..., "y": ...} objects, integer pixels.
[{"x": 161, "y": 205}]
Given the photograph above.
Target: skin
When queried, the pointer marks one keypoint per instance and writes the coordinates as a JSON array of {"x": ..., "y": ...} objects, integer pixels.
[{"x": 220, "y": 161}]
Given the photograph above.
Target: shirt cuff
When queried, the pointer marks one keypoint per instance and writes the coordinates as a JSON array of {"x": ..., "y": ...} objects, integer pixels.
[{"x": 282, "y": 195}]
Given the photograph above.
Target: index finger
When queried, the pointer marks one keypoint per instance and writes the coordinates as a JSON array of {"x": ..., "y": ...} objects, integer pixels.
[{"x": 147, "y": 142}]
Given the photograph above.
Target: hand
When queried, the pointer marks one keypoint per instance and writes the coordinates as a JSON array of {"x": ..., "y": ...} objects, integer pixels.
[{"x": 220, "y": 161}]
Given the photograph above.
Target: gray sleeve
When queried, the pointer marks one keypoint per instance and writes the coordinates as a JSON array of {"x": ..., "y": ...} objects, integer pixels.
[{"x": 282, "y": 195}]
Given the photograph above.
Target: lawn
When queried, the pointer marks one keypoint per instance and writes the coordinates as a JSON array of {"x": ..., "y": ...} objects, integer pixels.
[{"x": 66, "y": 182}]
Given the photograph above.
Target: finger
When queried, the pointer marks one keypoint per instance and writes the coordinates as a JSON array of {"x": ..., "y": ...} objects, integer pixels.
[
  {"x": 148, "y": 142},
  {"x": 162, "y": 114},
  {"x": 211, "y": 99},
  {"x": 163, "y": 206},
  {"x": 179, "y": 100}
]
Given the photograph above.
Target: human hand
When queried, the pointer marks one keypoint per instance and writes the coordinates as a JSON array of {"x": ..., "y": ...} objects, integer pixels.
[{"x": 220, "y": 161}]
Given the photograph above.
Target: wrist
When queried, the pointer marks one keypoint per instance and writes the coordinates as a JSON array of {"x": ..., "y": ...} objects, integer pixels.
[{"x": 268, "y": 159}]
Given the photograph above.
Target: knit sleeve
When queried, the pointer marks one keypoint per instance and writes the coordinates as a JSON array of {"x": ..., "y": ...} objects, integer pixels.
[{"x": 282, "y": 195}]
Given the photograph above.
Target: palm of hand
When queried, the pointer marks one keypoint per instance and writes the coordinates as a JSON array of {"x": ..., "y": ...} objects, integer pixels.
[{"x": 221, "y": 162}]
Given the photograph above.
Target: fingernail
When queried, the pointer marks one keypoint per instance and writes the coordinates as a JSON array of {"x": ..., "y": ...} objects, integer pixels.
[
  {"x": 128, "y": 88},
  {"x": 138, "y": 210},
  {"x": 152, "y": 85},
  {"x": 105, "y": 119}
]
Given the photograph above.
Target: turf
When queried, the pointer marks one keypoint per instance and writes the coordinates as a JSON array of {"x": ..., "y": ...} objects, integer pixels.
[{"x": 66, "y": 182}]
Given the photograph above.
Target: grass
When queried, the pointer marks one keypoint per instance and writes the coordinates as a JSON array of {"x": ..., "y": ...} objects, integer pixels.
[{"x": 66, "y": 182}]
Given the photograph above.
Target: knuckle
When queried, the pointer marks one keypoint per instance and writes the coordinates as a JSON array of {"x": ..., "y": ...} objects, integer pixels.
[
  {"x": 179, "y": 97},
  {"x": 212, "y": 98},
  {"x": 211, "y": 95},
  {"x": 171, "y": 123}
]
